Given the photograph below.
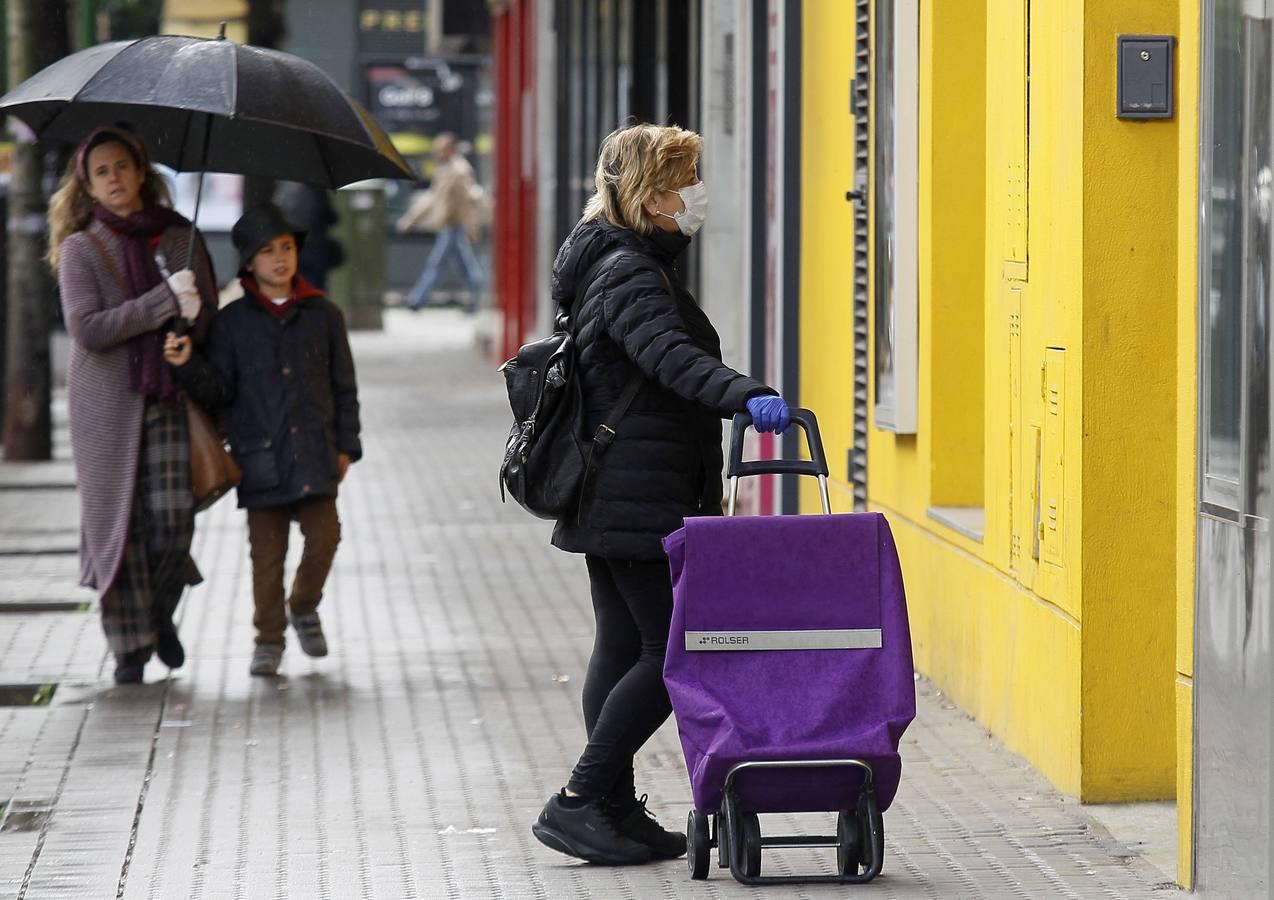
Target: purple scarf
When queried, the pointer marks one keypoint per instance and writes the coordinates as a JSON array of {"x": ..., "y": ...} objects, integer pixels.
[{"x": 148, "y": 374}]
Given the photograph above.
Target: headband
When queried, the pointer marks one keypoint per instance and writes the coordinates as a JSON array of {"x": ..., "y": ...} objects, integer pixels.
[{"x": 127, "y": 138}]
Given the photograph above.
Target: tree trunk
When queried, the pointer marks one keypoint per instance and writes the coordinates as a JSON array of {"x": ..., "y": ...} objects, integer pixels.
[{"x": 38, "y": 34}]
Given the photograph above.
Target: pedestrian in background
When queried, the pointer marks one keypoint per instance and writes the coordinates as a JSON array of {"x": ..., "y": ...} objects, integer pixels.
[
  {"x": 664, "y": 466},
  {"x": 311, "y": 208},
  {"x": 278, "y": 368},
  {"x": 109, "y": 222},
  {"x": 451, "y": 207}
]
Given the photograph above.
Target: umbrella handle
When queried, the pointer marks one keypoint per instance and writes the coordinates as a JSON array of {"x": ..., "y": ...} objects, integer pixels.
[{"x": 179, "y": 326}]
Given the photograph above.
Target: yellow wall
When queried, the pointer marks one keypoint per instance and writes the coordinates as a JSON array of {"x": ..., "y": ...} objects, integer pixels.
[{"x": 1048, "y": 390}]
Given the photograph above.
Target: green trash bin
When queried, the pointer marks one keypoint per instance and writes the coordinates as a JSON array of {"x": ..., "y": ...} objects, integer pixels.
[{"x": 358, "y": 285}]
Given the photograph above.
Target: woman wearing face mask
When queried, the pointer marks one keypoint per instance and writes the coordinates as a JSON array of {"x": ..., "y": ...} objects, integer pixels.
[
  {"x": 641, "y": 337},
  {"x": 109, "y": 223}
]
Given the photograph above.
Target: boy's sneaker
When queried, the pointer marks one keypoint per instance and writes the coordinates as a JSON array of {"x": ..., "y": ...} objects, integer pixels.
[
  {"x": 635, "y": 821},
  {"x": 266, "y": 659},
  {"x": 309, "y": 632},
  {"x": 585, "y": 830}
]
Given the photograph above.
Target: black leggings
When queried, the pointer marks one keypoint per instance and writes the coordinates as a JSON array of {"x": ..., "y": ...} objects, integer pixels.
[{"x": 625, "y": 700}]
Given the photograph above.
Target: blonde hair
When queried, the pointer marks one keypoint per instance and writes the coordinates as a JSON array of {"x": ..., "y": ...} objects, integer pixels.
[
  {"x": 71, "y": 207},
  {"x": 635, "y": 162}
]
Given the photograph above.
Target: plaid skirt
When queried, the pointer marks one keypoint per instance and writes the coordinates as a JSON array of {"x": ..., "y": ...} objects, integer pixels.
[{"x": 157, "y": 565}]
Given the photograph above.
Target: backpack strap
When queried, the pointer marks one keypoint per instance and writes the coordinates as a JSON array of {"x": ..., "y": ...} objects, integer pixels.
[{"x": 605, "y": 434}]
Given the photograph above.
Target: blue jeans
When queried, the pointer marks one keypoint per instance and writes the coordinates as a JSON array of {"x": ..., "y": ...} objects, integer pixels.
[{"x": 452, "y": 244}]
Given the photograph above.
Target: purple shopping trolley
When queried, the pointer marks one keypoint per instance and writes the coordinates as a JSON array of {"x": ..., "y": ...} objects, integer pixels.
[{"x": 789, "y": 668}]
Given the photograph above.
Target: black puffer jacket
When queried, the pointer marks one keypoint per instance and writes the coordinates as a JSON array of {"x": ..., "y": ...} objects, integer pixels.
[
  {"x": 665, "y": 463},
  {"x": 286, "y": 394}
]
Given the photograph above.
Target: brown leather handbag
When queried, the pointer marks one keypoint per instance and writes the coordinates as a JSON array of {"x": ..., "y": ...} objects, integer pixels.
[{"x": 213, "y": 471}]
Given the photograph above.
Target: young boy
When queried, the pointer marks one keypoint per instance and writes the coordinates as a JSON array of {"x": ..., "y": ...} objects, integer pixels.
[{"x": 278, "y": 369}]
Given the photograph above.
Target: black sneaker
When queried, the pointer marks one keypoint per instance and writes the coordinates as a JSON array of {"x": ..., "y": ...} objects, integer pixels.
[
  {"x": 635, "y": 821},
  {"x": 168, "y": 646},
  {"x": 587, "y": 832},
  {"x": 130, "y": 667}
]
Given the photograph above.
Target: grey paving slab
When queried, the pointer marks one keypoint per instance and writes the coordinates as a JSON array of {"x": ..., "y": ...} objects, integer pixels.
[
  {"x": 411, "y": 762},
  {"x": 27, "y": 578},
  {"x": 43, "y": 522},
  {"x": 58, "y": 474},
  {"x": 50, "y": 647}
]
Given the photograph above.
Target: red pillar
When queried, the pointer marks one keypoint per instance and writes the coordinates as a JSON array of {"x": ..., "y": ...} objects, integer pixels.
[
  {"x": 500, "y": 214},
  {"x": 529, "y": 171},
  {"x": 513, "y": 245}
]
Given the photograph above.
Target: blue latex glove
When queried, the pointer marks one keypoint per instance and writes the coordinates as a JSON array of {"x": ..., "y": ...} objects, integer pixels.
[{"x": 769, "y": 413}]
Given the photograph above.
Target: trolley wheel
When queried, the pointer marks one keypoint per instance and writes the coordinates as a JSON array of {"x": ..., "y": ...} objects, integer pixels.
[
  {"x": 870, "y": 819},
  {"x": 849, "y": 843},
  {"x": 749, "y": 844},
  {"x": 698, "y": 845}
]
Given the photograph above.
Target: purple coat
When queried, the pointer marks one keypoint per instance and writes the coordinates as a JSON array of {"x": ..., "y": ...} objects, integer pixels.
[{"x": 105, "y": 415}]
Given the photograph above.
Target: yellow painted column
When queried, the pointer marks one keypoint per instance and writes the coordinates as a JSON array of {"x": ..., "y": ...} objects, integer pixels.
[
  {"x": 1130, "y": 478},
  {"x": 1188, "y": 49},
  {"x": 827, "y": 237}
]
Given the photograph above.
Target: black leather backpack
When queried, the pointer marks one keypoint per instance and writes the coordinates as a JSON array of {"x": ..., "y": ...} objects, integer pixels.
[{"x": 548, "y": 458}]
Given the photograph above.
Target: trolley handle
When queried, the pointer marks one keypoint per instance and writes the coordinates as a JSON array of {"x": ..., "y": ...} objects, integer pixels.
[
  {"x": 806, "y": 419},
  {"x": 815, "y": 466}
]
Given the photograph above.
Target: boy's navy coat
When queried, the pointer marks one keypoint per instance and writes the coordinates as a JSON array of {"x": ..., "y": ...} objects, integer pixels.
[{"x": 286, "y": 393}]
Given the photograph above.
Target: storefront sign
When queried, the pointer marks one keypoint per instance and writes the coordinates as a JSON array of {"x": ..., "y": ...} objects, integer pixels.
[{"x": 391, "y": 27}]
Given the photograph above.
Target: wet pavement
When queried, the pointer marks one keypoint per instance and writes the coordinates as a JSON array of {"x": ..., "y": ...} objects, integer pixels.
[{"x": 411, "y": 762}]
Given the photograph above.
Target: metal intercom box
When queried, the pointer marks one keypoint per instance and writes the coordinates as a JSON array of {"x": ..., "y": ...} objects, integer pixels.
[{"x": 1145, "y": 76}]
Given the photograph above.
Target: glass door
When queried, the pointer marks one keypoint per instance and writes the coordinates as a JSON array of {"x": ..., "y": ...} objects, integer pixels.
[{"x": 1233, "y": 602}]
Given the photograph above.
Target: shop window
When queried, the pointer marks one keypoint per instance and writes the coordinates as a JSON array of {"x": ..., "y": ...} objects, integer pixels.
[
  {"x": 1235, "y": 269},
  {"x": 896, "y": 213}
]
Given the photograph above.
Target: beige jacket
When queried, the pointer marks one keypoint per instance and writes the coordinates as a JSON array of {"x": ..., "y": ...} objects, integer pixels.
[{"x": 454, "y": 198}]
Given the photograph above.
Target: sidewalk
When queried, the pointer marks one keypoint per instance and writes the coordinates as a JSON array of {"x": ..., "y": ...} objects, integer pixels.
[{"x": 411, "y": 762}]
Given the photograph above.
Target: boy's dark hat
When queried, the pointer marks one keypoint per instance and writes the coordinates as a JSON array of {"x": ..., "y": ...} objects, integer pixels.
[{"x": 257, "y": 227}]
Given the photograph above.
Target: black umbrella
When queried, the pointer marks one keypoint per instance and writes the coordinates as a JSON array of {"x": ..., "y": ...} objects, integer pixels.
[{"x": 212, "y": 105}]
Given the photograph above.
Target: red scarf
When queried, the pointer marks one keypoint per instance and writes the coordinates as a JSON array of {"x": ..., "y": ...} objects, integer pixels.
[{"x": 301, "y": 289}]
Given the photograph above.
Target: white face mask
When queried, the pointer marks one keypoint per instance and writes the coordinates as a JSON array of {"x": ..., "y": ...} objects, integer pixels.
[{"x": 695, "y": 197}]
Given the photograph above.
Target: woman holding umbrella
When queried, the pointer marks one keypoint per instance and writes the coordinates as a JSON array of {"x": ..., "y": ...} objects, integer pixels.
[
  {"x": 223, "y": 107},
  {"x": 113, "y": 237}
]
